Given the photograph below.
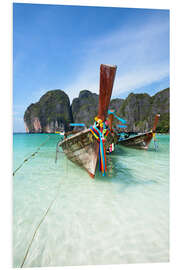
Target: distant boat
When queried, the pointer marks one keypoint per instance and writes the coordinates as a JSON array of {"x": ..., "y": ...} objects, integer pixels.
[
  {"x": 60, "y": 130},
  {"x": 142, "y": 140},
  {"x": 62, "y": 133},
  {"x": 84, "y": 148}
]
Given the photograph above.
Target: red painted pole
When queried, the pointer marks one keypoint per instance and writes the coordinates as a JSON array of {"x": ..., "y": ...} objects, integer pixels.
[{"x": 107, "y": 76}]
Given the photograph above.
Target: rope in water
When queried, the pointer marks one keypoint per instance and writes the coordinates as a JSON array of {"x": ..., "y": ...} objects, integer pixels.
[
  {"x": 39, "y": 224},
  {"x": 57, "y": 150},
  {"x": 31, "y": 156},
  {"x": 41, "y": 221}
]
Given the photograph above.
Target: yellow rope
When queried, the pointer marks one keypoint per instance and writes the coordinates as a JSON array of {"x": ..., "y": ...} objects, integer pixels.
[{"x": 41, "y": 221}]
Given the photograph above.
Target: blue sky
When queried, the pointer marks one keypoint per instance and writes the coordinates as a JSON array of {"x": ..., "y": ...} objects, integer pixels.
[{"x": 62, "y": 47}]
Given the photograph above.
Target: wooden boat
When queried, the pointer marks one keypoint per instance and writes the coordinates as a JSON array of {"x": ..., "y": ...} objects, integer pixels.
[
  {"x": 82, "y": 148},
  {"x": 142, "y": 140},
  {"x": 59, "y": 130}
]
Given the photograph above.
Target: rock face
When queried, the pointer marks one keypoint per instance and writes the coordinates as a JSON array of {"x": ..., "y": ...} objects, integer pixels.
[
  {"x": 116, "y": 104},
  {"x": 53, "y": 110},
  {"x": 85, "y": 107},
  {"x": 139, "y": 110},
  {"x": 50, "y": 113},
  {"x": 135, "y": 109},
  {"x": 160, "y": 104}
]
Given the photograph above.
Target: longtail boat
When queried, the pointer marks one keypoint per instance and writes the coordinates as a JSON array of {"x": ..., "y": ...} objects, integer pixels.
[
  {"x": 142, "y": 140},
  {"x": 86, "y": 147}
]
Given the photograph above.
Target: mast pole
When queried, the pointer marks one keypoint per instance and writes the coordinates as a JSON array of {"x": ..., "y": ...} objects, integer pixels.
[{"x": 107, "y": 76}]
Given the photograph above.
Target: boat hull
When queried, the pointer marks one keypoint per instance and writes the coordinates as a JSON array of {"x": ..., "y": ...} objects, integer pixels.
[
  {"x": 82, "y": 149},
  {"x": 141, "y": 141}
]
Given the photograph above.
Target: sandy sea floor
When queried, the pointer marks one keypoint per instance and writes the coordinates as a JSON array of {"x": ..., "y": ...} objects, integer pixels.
[{"x": 120, "y": 218}]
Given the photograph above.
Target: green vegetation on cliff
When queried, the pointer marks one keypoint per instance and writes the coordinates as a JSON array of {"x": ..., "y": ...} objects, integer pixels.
[
  {"x": 140, "y": 109},
  {"x": 51, "y": 111},
  {"x": 85, "y": 107},
  {"x": 163, "y": 124},
  {"x": 54, "y": 109}
]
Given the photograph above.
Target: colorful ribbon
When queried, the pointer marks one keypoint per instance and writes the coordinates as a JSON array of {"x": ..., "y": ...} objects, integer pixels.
[
  {"x": 100, "y": 136},
  {"x": 77, "y": 125}
]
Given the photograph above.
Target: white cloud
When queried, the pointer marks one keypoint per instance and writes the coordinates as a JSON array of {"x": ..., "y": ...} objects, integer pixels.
[{"x": 140, "y": 52}]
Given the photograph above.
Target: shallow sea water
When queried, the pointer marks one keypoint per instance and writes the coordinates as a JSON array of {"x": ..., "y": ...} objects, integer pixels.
[{"x": 120, "y": 218}]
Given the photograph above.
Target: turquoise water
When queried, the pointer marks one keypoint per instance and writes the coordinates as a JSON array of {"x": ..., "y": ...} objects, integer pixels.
[{"x": 120, "y": 218}]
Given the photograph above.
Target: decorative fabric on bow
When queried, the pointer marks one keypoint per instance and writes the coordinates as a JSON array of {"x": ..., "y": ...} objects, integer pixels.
[{"x": 100, "y": 135}]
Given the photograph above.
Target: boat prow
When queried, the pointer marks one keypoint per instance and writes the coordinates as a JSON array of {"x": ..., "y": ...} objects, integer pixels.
[{"x": 82, "y": 148}]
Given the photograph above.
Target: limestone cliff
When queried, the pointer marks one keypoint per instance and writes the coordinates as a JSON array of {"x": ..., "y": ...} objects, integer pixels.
[
  {"x": 116, "y": 104},
  {"x": 139, "y": 110},
  {"x": 85, "y": 107},
  {"x": 50, "y": 113},
  {"x": 53, "y": 110}
]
